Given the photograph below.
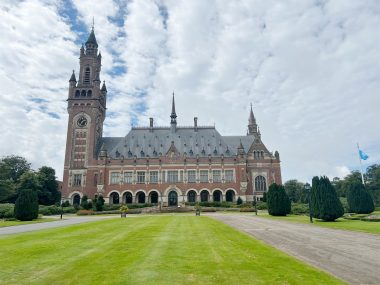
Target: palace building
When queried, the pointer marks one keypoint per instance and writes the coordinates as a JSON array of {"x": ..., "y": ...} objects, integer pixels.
[{"x": 160, "y": 165}]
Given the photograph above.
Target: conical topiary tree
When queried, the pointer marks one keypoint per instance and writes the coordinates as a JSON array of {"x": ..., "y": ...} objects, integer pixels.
[
  {"x": 359, "y": 199},
  {"x": 26, "y": 206},
  {"x": 324, "y": 202},
  {"x": 278, "y": 201}
]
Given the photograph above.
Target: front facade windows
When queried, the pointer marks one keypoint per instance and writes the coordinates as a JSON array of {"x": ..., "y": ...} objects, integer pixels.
[
  {"x": 115, "y": 177},
  {"x": 172, "y": 176},
  {"x": 153, "y": 177},
  {"x": 191, "y": 176},
  {"x": 140, "y": 177},
  {"x": 260, "y": 184},
  {"x": 128, "y": 177},
  {"x": 216, "y": 176},
  {"x": 229, "y": 175},
  {"x": 77, "y": 180},
  {"x": 203, "y": 176}
]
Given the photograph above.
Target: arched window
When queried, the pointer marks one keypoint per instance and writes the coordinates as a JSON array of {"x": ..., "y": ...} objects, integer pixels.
[
  {"x": 260, "y": 183},
  {"x": 140, "y": 197},
  {"x": 87, "y": 74},
  {"x": 83, "y": 93},
  {"x": 76, "y": 199},
  {"x": 153, "y": 197},
  {"x": 204, "y": 196},
  {"x": 89, "y": 93},
  {"x": 217, "y": 196},
  {"x": 77, "y": 93},
  {"x": 230, "y": 196},
  {"x": 128, "y": 198},
  {"x": 191, "y": 196},
  {"x": 114, "y": 198}
]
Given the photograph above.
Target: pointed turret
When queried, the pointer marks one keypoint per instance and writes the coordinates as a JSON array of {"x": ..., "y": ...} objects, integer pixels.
[
  {"x": 91, "y": 43},
  {"x": 72, "y": 78},
  {"x": 173, "y": 116},
  {"x": 104, "y": 88},
  {"x": 252, "y": 126},
  {"x": 240, "y": 149}
]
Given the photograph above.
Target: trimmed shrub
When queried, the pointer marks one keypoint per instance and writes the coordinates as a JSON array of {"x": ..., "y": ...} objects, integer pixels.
[
  {"x": 300, "y": 209},
  {"x": 324, "y": 202},
  {"x": 7, "y": 211},
  {"x": 66, "y": 204},
  {"x": 359, "y": 199},
  {"x": 261, "y": 205},
  {"x": 49, "y": 210},
  {"x": 278, "y": 201},
  {"x": 85, "y": 204},
  {"x": 85, "y": 212},
  {"x": 26, "y": 206},
  {"x": 239, "y": 201},
  {"x": 246, "y": 209},
  {"x": 99, "y": 203}
]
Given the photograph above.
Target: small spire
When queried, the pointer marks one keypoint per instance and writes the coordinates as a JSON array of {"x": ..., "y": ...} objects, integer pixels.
[
  {"x": 104, "y": 88},
  {"x": 173, "y": 115},
  {"x": 93, "y": 22},
  {"x": 72, "y": 78},
  {"x": 252, "y": 119},
  {"x": 252, "y": 126},
  {"x": 92, "y": 39}
]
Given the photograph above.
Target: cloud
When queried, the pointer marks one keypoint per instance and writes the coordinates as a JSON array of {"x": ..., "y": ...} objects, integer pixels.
[{"x": 310, "y": 68}]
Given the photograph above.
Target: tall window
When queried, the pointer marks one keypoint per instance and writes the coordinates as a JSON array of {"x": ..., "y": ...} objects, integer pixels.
[
  {"x": 216, "y": 176},
  {"x": 128, "y": 177},
  {"x": 141, "y": 177},
  {"x": 191, "y": 178},
  {"x": 153, "y": 177},
  {"x": 203, "y": 175},
  {"x": 229, "y": 175},
  {"x": 172, "y": 176},
  {"x": 77, "y": 179},
  {"x": 260, "y": 183},
  {"x": 115, "y": 177},
  {"x": 87, "y": 74}
]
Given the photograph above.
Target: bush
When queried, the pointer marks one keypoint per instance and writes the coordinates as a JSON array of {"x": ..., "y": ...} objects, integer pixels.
[
  {"x": 26, "y": 206},
  {"x": 343, "y": 201},
  {"x": 359, "y": 199},
  {"x": 7, "y": 211},
  {"x": 66, "y": 204},
  {"x": 261, "y": 205},
  {"x": 239, "y": 201},
  {"x": 85, "y": 204},
  {"x": 223, "y": 204},
  {"x": 246, "y": 209},
  {"x": 99, "y": 203},
  {"x": 49, "y": 210},
  {"x": 85, "y": 212},
  {"x": 278, "y": 201},
  {"x": 208, "y": 209},
  {"x": 324, "y": 202},
  {"x": 300, "y": 209}
]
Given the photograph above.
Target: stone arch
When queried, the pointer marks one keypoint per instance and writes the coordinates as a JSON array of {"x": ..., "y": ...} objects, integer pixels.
[
  {"x": 217, "y": 195},
  {"x": 127, "y": 197},
  {"x": 230, "y": 195},
  {"x": 140, "y": 196},
  {"x": 204, "y": 195},
  {"x": 114, "y": 197},
  {"x": 191, "y": 195},
  {"x": 76, "y": 197},
  {"x": 154, "y": 196},
  {"x": 167, "y": 190},
  {"x": 172, "y": 198}
]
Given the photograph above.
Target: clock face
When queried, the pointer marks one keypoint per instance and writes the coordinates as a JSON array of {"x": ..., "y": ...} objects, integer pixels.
[{"x": 82, "y": 121}]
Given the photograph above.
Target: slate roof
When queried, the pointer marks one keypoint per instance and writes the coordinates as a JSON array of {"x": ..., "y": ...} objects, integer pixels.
[
  {"x": 92, "y": 39},
  {"x": 141, "y": 142}
]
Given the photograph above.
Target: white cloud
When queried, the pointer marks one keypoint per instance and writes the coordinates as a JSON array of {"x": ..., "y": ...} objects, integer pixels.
[{"x": 310, "y": 68}]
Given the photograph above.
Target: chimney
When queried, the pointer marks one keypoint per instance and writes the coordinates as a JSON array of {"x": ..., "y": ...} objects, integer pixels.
[
  {"x": 151, "y": 124},
  {"x": 195, "y": 124}
]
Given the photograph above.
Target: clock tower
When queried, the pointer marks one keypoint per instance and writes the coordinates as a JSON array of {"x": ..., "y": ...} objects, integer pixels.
[{"x": 86, "y": 105}]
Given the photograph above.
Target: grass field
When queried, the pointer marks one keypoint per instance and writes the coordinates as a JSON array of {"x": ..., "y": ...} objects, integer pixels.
[
  {"x": 342, "y": 224},
  {"x": 4, "y": 223},
  {"x": 149, "y": 250}
]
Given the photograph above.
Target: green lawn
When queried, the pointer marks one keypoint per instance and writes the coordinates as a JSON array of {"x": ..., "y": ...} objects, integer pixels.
[
  {"x": 149, "y": 250},
  {"x": 342, "y": 224},
  {"x": 4, "y": 223}
]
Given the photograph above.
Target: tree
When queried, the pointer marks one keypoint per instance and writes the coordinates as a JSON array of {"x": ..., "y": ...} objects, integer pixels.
[
  {"x": 12, "y": 167},
  {"x": 85, "y": 204},
  {"x": 373, "y": 182},
  {"x": 49, "y": 193},
  {"x": 294, "y": 189},
  {"x": 359, "y": 199},
  {"x": 7, "y": 190},
  {"x": 324, "y": 202},
  {"x": 29, "y": 180},
  {"x": 264, "y": 197},
  {"x": 99, "y": 203},
  {"x": 26, "y": 206},
  {"x": 278, "y": 201}
]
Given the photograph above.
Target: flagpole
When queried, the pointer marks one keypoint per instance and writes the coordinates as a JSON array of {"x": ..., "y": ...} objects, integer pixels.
[{"x": 361, "y": 166}]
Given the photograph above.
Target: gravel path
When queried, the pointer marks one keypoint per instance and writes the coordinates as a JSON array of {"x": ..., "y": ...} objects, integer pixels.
[
  {"x": 68, "y": 220},
  {"x": 351, "y": 256}
]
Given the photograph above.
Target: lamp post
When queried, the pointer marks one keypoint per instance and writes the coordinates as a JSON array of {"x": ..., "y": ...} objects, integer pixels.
[
  {"x": 255, "y": 204},
  {"x": 308, "y": 190},
  {"x": 61, "y": 207}
]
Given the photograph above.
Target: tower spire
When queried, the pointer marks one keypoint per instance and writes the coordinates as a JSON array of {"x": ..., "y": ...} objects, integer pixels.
[
  {"x": 252, "y": 126},
  {"x": 173, "y": 116}
]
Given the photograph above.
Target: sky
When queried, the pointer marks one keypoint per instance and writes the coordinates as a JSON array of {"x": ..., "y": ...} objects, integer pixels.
[{"x": 311, "y": 69}]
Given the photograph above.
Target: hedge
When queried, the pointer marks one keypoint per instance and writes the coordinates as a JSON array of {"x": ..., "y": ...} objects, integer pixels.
[{"x": 7, "y": 211}]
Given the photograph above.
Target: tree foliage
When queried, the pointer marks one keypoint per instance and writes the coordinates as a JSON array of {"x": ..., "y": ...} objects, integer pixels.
[
  {"x": 99, "y": 203},
  {"x": 48, "y": 193},
  {"x": 324, "y": 202},
  {"x": 26, "y": 206},
  {"x": 295, "y": 191},
  {"x": 359, "y": 200},
  {"x": 278, "y": 201}
]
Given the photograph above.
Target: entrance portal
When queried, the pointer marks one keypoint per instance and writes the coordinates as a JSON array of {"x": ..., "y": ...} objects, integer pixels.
[{"x": 173, "y": 198}]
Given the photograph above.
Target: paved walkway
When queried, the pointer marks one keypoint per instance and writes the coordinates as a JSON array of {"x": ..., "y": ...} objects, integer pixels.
[
  {"x": 351, "y": 256},
  {"x": 68, "y": 220}
]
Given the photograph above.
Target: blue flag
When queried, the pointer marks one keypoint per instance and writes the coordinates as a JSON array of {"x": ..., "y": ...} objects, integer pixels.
[{"x": 363, "y": 155}]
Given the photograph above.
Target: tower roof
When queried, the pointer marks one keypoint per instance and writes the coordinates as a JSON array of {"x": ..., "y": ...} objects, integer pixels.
[
  {"x": 173, "y": 114},
  {"x": 104, "y": 88},
  {"x": 72, "y": 78},
  {"x": 91, "y": 38},
  {"x": 251, "y": 119}
]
